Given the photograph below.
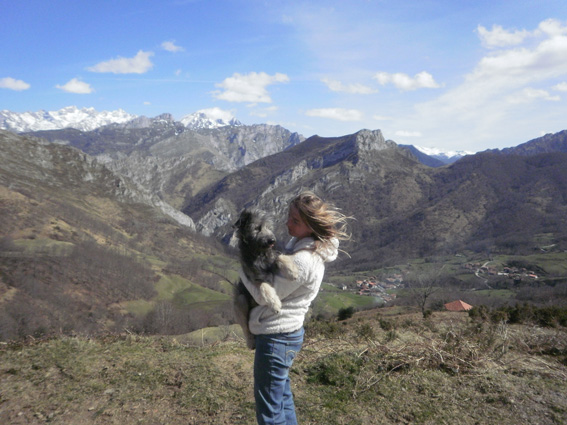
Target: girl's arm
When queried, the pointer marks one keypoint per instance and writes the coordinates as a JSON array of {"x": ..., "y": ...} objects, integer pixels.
[{"x": 284, "y": 287}]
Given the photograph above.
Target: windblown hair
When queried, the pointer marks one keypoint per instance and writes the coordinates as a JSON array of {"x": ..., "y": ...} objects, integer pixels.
[{"x": 326, "y": 221}]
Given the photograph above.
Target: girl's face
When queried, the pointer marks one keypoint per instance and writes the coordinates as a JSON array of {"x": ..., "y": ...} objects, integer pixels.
[{"x": 295, "y": 224}]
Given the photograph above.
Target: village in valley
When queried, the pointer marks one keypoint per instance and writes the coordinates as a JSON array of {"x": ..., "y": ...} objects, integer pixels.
[
  {"x": 514, "y": 273},
  {"x": 385, "y": 288}
]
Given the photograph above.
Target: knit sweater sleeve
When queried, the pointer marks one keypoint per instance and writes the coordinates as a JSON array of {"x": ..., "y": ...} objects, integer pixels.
[{"x": 303, "y": 261}]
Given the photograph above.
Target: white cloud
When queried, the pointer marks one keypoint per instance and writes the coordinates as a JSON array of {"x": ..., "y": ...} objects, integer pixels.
[
  {"x": 548, "y": 59},
  {"x": 76, "y": 86},
  {"x": 248, "y": 88},
  {"x": 552, "y": 27},
  {"x": 499, "y": 37},
  {"x": 356, "y": 88},
  {"x": 338, "y": 114},
  {"x": 498, "y": 90},
  {"x": 530, "y": 94},
  {"x": 405, "y": 82},
  {"x": 560, "y": 87},
  {"x": 403, "y": 133},
  {"x": 217, "y": 114},
  {"x": 13, "y": 84},
  {"x": 171, "y": 47},
  {"x": 139, "y": 64}
]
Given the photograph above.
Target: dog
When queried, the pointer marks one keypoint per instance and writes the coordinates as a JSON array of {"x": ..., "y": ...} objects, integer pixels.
[{"x": 260, "y": 263}]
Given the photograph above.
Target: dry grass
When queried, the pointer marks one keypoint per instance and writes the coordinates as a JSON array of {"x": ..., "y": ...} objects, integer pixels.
[{"x": 373, "y": 368}]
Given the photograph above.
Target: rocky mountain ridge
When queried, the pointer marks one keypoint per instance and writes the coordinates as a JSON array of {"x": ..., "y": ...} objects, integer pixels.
[
  {"x": 403, "y": 209},
  {"x": 88, "y": 119},
  {"x": 327, "y": 165},
  {"x": 25, "y": 160},
  {"x": 548, "y": 143},
  {"x": 170, "y": 160}
]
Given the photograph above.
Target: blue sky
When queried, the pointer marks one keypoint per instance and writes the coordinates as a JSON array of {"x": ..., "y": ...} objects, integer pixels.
[{"x": 448, "y": 74}]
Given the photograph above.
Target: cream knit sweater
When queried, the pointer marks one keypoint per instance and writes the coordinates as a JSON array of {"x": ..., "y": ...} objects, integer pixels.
[{"x": 296, "y": 295}]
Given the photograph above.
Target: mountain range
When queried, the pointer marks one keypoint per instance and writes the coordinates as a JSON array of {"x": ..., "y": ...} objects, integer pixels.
[
  {"x": 88, "y": 119},
  {"x": 152, "y": 191},
  {"x": 84, "y": 119},
  {"x": 170, "y": 160},
  {"x": 407, "y": 202},
  {"x": 498, "y": 202}
]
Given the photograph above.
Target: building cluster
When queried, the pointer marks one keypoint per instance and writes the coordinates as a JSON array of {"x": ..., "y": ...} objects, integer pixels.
[
  {"x": 517, "y": 273},
  {"x": 510, "y": 272},
  {"x": 380, "y": 288}
]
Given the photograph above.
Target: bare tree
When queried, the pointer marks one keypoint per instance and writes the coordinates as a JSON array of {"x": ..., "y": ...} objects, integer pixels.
[{"x": 423, "y": 284}]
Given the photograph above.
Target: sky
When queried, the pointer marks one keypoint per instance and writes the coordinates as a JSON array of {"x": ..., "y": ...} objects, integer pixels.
[{"x": 454, "y": 75}]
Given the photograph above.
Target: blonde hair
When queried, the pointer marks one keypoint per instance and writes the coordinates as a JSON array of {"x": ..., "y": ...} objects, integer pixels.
[{"x": 323, "y": 219}]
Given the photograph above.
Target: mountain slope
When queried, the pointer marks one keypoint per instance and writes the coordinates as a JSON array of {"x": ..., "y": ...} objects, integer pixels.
[
  {"x": 490, "y": 202},
  {"x": 171, "y": 161},
  {"x": 403, "y": 209},
  {"x": 361, "y": 173},
  {"x": 79, "y": 244},
  {"x": 547, "y": 144}
]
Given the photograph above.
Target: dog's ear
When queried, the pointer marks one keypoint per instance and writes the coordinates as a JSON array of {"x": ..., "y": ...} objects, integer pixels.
[{"x": 243, "y": 219}]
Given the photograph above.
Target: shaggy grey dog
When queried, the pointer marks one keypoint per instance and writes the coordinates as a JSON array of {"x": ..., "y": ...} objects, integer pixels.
[{"x": 260, "y": 262}]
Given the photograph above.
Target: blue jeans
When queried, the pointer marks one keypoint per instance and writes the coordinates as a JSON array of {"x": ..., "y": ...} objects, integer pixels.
[{"x": 272, "y": 390}]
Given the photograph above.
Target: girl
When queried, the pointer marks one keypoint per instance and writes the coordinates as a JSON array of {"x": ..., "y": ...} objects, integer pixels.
[{"x": 315, "y": 227}]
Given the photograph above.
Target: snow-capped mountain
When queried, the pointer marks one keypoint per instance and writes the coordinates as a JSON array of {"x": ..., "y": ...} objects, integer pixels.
[
  {"x": 209, "y": 118},
  {"x": 84, "y": 119},
  {"x": 87, "y": 119},
  {"x": 447, "y": 157}
]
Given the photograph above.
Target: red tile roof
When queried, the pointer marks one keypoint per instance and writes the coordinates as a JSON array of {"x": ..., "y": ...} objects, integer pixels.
[{"x": 458, "y": 306}]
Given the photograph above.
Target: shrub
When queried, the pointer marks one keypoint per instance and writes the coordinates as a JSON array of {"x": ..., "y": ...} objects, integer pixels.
[
  {"x": 346, "y": 313},
  {"x": 479, "y": 313},
  {"x": 391, "y": 335},
  {"x": 365, "y": 331},
  {"x": 543, "y": 316},
  {"x": 338, "y": 370},
  {"x": 324, "y": 328},
  {"x": 498, "y": 316},
  {"x": 387, "y": 325}
]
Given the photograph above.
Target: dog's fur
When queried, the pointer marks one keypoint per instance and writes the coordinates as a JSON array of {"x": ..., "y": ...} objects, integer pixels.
[{"x": 260, "y": 262}]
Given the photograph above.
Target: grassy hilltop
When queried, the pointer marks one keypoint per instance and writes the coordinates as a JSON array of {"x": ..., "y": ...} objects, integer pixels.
[{"x": 386, "y": 366}]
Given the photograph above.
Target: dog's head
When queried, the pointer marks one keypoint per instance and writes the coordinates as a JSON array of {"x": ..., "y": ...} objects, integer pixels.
[{"x": 254, "y": 228}]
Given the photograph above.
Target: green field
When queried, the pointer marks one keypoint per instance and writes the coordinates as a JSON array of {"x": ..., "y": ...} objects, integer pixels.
[{"x": 182, "y": 292}]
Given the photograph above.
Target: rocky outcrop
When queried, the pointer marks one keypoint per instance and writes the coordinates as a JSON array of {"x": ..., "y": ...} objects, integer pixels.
[
  {"x": 326, "y": 165},
  {"x": 25, "y": 160},
  {"x": 167, "y": 159}
]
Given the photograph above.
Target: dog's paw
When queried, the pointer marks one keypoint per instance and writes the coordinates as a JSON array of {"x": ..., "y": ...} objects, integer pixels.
[
  {"x": 271, "y": 297},
  {"x": 276, "y": 306},
  {"x": 287, "y": 267}
]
